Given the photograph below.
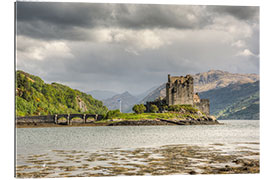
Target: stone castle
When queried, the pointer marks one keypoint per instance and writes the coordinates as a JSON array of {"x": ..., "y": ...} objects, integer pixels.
[{"x": 180, "y": 90}]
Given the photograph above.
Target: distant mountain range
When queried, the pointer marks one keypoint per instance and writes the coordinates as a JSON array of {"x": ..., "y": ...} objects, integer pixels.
[
  {"x": 215, "y": 79},
  {"x": 156, "y": 93},
  {"x": 232, "y": 95},
  {"x": 110, "y": 99},
  {"x": 127, "y": 102},
  {"x": 101, "y": 95}
]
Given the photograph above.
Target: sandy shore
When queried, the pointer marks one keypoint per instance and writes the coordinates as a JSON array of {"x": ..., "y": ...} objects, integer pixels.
[{"x": 164, "y": 160}]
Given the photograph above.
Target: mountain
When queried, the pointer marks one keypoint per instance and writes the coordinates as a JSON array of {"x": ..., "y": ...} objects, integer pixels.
[
  {"x": 236, "y": 101},
  {"x": 215, "y": 79},
  {"x": 34, "y": 97},
  {"x": 245, "y": 109},
  {"x": 101, "y": 95},
  {"x": 156, "y": 93},
  {"x": 206, "y": 81},
  {"x": 127, "y": 102},
  {"x": 141, "y": 96}
]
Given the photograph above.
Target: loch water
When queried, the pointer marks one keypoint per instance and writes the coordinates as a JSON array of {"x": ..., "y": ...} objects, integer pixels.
[
  {"x": 43, "y": 140},
  {"x": 131, "y": 150}
]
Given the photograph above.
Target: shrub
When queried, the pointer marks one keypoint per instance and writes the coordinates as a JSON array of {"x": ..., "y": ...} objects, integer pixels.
[
  {"x": 112, "y": 114},
  {"x": 139, "y": 108},
  {"x": 183, "y": 107},
  {"x": 153, "y": 108}
]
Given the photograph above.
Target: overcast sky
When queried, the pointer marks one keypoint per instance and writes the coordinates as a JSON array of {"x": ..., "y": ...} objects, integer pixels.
[{"x": 121, "y": 47}]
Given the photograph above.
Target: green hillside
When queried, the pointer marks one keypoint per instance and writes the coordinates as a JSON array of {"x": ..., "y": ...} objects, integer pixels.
[
  {"x": 236, "y": 101},
  {"x": 248, "y": 108},
  {"x": 34, "y": 97}
]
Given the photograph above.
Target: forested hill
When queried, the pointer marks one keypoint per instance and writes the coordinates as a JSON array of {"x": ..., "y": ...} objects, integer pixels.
[
  {"x": 236, "y": 101},
  {"x": 34, "y": 97}
]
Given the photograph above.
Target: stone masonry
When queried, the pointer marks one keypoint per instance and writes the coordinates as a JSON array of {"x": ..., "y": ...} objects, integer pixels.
[{"x": 180, "y": 90}]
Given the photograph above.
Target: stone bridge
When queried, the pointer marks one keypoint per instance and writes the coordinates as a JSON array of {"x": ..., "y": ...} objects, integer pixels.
[{"x": 56, "y": 118}]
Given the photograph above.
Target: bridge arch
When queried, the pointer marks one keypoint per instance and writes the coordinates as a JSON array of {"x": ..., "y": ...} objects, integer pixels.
[{"x": 69, "y": 117}]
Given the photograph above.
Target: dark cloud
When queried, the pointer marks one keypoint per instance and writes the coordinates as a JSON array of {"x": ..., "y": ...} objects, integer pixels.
[
  {"x": 47, "y": 20},
  {"x": 119, "y": 15},
  {"x": 62, "y": 14},
  {"x": 58, "y": 20},
  {"x": 240, "y": 12},
  {"x": 160, "y": 16},
  {"x": 49, "y": 31}
]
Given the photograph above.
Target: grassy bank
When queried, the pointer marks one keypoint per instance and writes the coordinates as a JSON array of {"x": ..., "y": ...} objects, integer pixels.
[
  {"x": 179, "y": 112},
  {"x": 148, "y": 116},
  {"x": 143, "y": 116}
]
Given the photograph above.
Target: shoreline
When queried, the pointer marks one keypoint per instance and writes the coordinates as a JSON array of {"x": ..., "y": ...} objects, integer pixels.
[{"x": 155, "y": 122}]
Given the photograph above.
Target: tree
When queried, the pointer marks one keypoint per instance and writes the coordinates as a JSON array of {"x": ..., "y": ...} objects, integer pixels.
[
  {"x": 153, "y": 108},
  {"x": 139, "y": 108},
  {"x": 112, "y": 114}
]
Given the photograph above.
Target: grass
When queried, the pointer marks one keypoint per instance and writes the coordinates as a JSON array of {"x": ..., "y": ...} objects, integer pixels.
[{"x": 145, "y": 116}]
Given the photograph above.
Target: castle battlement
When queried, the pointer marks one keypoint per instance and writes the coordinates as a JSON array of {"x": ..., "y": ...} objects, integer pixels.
[{"x": 179, "y": 79}]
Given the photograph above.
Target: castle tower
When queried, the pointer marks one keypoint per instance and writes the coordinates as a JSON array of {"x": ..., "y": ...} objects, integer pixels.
[{"x": 179, "y": 90}]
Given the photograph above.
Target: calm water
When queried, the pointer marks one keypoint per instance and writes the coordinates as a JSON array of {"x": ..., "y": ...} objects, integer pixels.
[{"x": 43, "y": 140}]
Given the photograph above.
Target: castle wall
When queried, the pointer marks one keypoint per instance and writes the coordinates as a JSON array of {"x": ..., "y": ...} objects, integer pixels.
[
  {"x": 203, "y": 106},
  {"x": 196, "y": 98},
  {"x": 179, "y": 90}
]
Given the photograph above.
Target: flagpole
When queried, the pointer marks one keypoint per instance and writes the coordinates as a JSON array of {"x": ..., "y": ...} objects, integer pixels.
[{"x": 120, "y": 105}]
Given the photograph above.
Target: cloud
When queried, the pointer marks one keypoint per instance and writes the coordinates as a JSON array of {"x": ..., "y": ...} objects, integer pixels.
[
  {"x": 239, "y": 12},
  {"x": 38, "y": 50},
  {"x": 245, "y": 52},
  {"x": 69, "y": 20},
  {"x": 239, "y": 44},
  {"x": 234, "y": 27},
  {"x": 130, "y": 47}
]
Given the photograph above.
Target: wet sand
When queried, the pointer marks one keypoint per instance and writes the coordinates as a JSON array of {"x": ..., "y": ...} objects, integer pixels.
[{"x": 237, "y": 158}]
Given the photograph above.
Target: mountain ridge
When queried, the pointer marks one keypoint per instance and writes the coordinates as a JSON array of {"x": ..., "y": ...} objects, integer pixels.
[
  {"x": 101, "y": 94},
  {"x": 236, "y": 101},
  {"x": 214, "y": 79},
  {"x": 127, "y": 101}
]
